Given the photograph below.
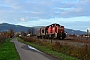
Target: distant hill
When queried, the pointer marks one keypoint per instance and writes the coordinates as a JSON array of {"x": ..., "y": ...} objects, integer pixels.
[
  {"x": 18, "y": 28},
  {"x": 77, "y": 32}
]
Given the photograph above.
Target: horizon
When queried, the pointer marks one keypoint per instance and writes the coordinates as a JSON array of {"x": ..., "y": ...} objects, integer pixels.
[
  {"x": 73, "y": 14},
  {"x": 41, "y": 26}
]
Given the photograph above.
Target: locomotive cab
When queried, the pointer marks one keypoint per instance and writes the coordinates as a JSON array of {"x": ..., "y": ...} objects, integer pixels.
[{"x": 54, "y": 31}]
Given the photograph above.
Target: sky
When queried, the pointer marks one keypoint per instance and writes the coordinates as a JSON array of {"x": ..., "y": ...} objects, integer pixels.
[{"x": 72, "y": 14}]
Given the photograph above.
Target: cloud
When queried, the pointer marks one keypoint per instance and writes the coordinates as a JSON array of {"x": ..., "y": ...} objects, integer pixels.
[
  {"x": 78, "y": 23},
  {"x": 46, "y": 9},
  {"x": 80, "y": 8},
  {"x": 22, "y": 19}
]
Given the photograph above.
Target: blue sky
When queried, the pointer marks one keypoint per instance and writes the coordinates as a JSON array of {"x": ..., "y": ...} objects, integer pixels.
[{"x": 73, "y": 14}]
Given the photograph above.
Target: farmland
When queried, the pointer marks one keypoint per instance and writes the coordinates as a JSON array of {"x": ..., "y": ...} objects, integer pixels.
[{"x": 72, "y": 47}]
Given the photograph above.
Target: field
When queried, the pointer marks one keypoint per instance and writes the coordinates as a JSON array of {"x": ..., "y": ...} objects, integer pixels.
[
  {"x": 49, "y": 51},
  {"x": 73, "y": 46}
]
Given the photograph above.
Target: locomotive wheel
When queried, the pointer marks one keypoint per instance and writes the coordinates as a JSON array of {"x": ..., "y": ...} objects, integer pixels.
[
  {"x": 61, "y": 36},
  {"x": 58, "y": 36}
]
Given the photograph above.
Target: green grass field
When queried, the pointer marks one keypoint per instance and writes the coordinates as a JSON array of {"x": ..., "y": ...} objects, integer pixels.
[
  {"x": 8, "y": 51},
  {"x": 58, "y": 55}
]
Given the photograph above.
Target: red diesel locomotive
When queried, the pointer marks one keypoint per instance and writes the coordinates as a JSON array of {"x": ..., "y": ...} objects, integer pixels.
[{"x": 51, "y": 31}]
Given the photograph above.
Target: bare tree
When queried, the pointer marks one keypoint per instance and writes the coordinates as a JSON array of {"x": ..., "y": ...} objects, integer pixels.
[
  {"x": 11, "y": 33},
  {"x": 23, "y": 33},
  {"x": 31, "y": 31}
]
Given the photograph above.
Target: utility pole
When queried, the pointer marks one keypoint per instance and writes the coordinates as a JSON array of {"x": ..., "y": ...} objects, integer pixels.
[{"x": 87, "y": 33}]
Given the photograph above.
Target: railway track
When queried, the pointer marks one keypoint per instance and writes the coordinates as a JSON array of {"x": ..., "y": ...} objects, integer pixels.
[{"x": 74, "y": 41}]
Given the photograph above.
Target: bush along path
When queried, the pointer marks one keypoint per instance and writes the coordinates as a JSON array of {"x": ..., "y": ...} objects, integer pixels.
[
  {"x": 49, "y": 48},
  {"x": 8, "y": 51}
]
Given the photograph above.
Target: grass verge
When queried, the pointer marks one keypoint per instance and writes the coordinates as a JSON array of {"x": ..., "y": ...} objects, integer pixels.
[
  {"x": 8, "y": 51},
  {"x": 58, "y": 55}
]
